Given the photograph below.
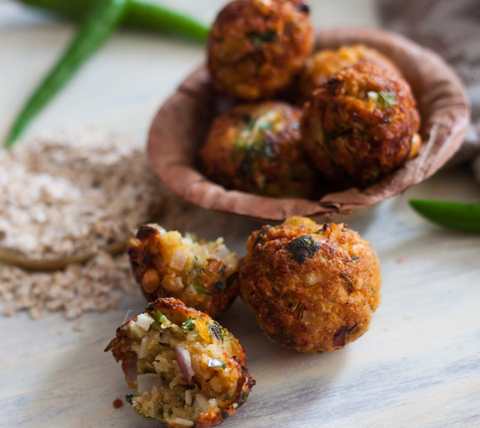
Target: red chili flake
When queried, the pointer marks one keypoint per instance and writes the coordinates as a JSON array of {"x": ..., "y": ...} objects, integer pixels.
[{"x": 117, "y": 403}]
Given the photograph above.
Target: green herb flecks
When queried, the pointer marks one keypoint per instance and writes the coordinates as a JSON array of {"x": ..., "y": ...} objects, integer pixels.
[
  {"x": 188, "y": 324},
  {"x": 159, "y": 317},
  {"x": 259, "y": 39},
  {"x": 199, "y": 288},
  {"x": 384, "y": 99},
  {"x": 129, "y": 399},
  {"x": 303, "y": 248}
]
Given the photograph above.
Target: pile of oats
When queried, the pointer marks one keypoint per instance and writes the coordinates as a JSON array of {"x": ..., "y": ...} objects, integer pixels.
[
  {"x": 67, "y": 196},
  {"x": 96, "y": 286},
  {"x": 63, "y": 197}
]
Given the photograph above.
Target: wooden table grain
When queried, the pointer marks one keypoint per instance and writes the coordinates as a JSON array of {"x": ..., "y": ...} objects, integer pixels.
[{"x": 419, "y": 364}]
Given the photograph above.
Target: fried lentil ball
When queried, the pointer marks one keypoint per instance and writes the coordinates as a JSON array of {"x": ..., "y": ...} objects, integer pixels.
[
  {"x": 360, "y": 125},
  {"x": 321, "y": 66},
  {"x": 256, "y": 47},
  {"x": 312, "y": 287},
  {"x": 186, "y": 369},
  {"x": 257, "y": 148},
  {"x": 167, "y": 264}
]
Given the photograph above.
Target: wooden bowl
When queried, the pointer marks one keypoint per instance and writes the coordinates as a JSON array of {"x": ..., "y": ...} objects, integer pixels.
[{"x": 181, "y": 125}]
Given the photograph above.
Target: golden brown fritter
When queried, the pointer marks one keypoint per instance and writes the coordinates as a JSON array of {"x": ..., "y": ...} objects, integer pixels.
[
  {"x": 186, "y": 369},
  {"x": 257, "y": 46},
  {"x": 322, "y": 65},
  {"x": 257, "y": 149},
  {"x": 313, "y": 287},
  {"x": 360, "y": 125},
  {"x": 167, "y": 264}
]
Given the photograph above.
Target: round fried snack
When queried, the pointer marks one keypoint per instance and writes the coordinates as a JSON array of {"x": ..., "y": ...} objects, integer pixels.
[
  {"x": 186, "y": 369},
  {"x": 257, "y": 46},
  {"x": 200, "y": 273},
  {"x": 322, "y": 65},
  {"x": 257, "y": 148},
  {"x": 360, "y": 125},
  {"x": 313, "y": 287}
]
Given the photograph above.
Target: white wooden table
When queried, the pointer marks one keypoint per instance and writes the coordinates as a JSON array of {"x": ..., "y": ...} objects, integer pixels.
[{"x": 417, "y": 367}]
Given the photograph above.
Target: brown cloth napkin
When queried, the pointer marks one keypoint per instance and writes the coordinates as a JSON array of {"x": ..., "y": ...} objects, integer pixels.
[{"x": 451, "y": 28}]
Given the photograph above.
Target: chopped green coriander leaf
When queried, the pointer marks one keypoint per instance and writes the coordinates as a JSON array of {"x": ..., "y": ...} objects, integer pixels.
[
  {"x": 258, "y": 39},
  {"x": 188, "y": 324},
  {"x": 199, "y": 288},
  {"x": 129, "y": 398},
  {"x": 159, "y": 317},
  {"x": 216, "y": 364},
  {"x": 383, "y": 98},
  {"x": 388, "y": 99}
]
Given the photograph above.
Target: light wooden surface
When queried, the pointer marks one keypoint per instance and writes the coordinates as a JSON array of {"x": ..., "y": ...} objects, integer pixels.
[{"x": 418, "y": 366}]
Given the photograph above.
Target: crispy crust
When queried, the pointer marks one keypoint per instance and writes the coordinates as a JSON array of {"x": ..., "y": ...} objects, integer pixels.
[
  {"x": 256, "y": 46},
  {"x": 146, "y": 261},
  {"x": 322, "y": 65},
  {"x": 313, "y": 287},
  {"x": 272, "y": 163},
  {"x": 442, "y": 102},
  {"x": 354, "y": 139},
  {"x": 176, "y": 311}
]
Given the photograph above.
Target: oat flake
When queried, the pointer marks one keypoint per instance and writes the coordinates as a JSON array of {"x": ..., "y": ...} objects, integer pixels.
[{"x": 63, "y": 196}]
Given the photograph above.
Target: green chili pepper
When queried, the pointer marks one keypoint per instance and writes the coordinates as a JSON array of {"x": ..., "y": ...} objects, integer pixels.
[
  {"x": 99, "y": 19},
  {"x": 97, "y": 27},
  {"x": 453, "y": 215},
  {"x": 142, "y": 15}
]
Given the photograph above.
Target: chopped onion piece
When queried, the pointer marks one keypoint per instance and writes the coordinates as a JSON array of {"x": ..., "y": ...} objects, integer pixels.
[
  {"x": 185, "y": 363},
  {"x": 147, "y": 381},
  {"x": 144, "y": 321},
  {"x": 129, "y": 367},
  {"x": 181, "y": 421},
  {"x": 201, "y": 402},
  {"x": 179, "y": 259}
]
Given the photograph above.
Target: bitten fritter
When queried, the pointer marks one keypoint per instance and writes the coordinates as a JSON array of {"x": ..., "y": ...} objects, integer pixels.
[
  {"x": 186, "y": 369},
  {"x": 257, "y": 148},
  {"x": 360, "y": 125},
  {"x": 312, "y": 287},
  {"x": 200, "y": 273},
  {"x": 322, "y": 65},
  {"x": 256, "y": 47}
]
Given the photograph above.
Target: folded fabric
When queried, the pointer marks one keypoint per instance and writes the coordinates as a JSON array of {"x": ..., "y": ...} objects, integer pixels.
[{"x": 451, "y": 28}]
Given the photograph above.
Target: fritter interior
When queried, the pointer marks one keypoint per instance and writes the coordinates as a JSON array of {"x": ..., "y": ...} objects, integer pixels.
[
  {"x": 200, "y": 273},
  {"x": 185, "y": 367}
]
